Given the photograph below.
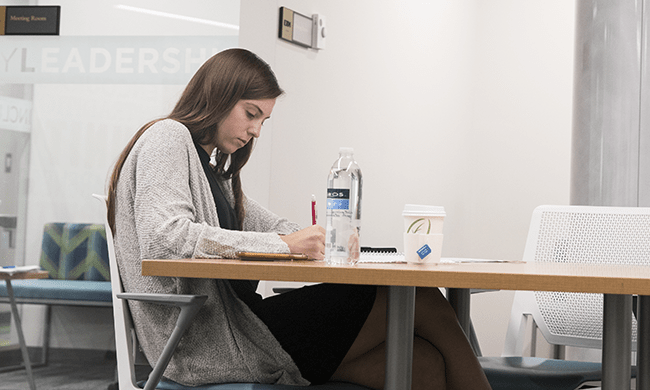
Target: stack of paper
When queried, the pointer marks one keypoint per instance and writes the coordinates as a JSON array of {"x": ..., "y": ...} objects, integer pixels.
[{"x": 10, "y": 270}]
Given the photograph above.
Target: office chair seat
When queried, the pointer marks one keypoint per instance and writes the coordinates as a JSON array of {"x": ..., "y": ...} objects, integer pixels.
[
  {"x": 533, "y": 373},
  {"x": 166, "y": 384}
]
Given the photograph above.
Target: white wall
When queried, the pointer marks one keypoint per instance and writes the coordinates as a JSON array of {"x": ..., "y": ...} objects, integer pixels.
[
  {"x": 460, "y": 103},
  {"x": 464, "y": 104}
]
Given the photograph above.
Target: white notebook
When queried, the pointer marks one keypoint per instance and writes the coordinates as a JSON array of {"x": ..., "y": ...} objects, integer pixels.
[{"x": 381, "y": 257}]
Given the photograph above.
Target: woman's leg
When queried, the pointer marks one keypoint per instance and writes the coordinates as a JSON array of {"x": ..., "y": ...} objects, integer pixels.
[
  {"x": 436, "y": 323},
  {"x": 369, "y": 369}
]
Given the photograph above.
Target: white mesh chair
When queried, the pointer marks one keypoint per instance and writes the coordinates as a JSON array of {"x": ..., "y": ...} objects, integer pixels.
[
  {"x": 587, "y": 235},
  {"x": 553, "y": 317},
  {"x": 127, "y": 348},
  {"x": 569, "y": 234}
]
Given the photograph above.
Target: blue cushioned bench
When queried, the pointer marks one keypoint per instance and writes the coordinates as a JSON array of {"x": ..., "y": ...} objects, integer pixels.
[{"x": 76, "y": 258}]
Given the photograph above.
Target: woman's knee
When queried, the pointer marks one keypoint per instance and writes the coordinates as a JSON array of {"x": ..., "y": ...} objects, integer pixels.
[
  {"x": 428, "y": 365},
  {"x": 426, "y": 354}
]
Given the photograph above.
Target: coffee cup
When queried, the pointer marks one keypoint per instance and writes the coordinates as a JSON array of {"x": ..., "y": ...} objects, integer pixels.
[{"x": 423, "y": 233}]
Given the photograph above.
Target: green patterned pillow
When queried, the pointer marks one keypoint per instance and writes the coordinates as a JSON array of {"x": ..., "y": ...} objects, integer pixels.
[{"x": 75, "y": 251}]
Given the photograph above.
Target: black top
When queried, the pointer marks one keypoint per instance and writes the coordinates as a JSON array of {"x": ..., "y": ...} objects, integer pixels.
[
  {"x": 227, "y": 215},
  {"x": 245, "y": 289}
]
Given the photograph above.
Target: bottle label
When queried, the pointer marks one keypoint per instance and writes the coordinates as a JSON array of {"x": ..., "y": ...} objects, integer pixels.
[
  {"x": 424, "y": 251},
  {"x": 338, "y": 198}
]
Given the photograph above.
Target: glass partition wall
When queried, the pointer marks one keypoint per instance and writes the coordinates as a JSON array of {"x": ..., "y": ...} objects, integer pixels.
[{"x": 69, "y": 104}]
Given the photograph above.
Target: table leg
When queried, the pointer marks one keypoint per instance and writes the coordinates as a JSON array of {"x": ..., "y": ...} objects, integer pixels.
[
  {"x": 21, "y": 337},
  {"x": 617, "y": 342},
  {"x": 643, "y": 343},
  {"x": 459, "y": 299},
  {"x": 400, "y": 322}
]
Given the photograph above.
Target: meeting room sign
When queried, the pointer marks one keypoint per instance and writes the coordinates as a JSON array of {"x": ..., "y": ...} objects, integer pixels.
[{"x": 106, "y": 60}]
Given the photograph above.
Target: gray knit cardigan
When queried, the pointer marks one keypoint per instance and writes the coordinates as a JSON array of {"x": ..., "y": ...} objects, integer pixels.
[{"x": 165, "y": 210}]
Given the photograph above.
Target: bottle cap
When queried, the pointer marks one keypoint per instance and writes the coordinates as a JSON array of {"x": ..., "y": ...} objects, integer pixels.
[{"x": 346, "y": 150}]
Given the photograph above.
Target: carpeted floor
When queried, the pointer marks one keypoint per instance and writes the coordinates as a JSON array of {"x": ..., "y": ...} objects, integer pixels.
[{"x": 66, "y": 370}]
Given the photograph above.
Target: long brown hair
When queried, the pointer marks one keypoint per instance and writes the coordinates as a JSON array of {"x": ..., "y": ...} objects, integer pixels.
[{"x": 222, "y": 81}]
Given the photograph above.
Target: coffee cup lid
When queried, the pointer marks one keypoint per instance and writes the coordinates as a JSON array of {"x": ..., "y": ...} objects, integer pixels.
[{"x": 423, "y": 211}]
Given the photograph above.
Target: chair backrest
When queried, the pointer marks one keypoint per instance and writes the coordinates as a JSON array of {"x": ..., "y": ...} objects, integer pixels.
[
  {"x": 75, "y": 251},
  {"x": 125, "y": 345},
  {"x": 587, "y": 235}
]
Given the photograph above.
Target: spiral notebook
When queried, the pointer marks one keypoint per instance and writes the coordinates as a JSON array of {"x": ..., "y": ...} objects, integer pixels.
[{"x": 380, "y": 255}]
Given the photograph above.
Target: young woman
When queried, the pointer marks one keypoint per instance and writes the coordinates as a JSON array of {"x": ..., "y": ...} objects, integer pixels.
[{"x": 167, "y": 200}]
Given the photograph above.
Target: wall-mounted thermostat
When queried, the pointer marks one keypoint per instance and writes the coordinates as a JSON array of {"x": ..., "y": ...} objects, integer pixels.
[{"x": 302, "y": 30}]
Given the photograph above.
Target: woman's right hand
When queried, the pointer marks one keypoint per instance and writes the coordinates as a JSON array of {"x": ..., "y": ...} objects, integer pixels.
[{"x": 309, "y": 241}]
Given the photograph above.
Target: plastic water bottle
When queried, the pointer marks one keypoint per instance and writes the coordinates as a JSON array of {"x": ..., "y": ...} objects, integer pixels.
[{"x": 343, "y": 210}]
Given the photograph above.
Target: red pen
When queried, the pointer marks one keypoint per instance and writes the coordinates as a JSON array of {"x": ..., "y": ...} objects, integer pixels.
[{"x": 313, "y": 209}]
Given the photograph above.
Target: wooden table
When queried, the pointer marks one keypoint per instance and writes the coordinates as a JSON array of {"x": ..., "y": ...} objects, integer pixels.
[
  {"x": 616, "y": 282},
  {"x": 14, "y": 309}
]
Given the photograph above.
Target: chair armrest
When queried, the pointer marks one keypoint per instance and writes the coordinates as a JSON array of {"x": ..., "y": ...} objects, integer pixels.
[
  {"x": 165, "y": 299},
  {"x": 189, "y": 305}
]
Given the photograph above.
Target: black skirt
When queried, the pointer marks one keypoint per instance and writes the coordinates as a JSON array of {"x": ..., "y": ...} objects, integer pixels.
[{"x": 316, "y": 324}]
